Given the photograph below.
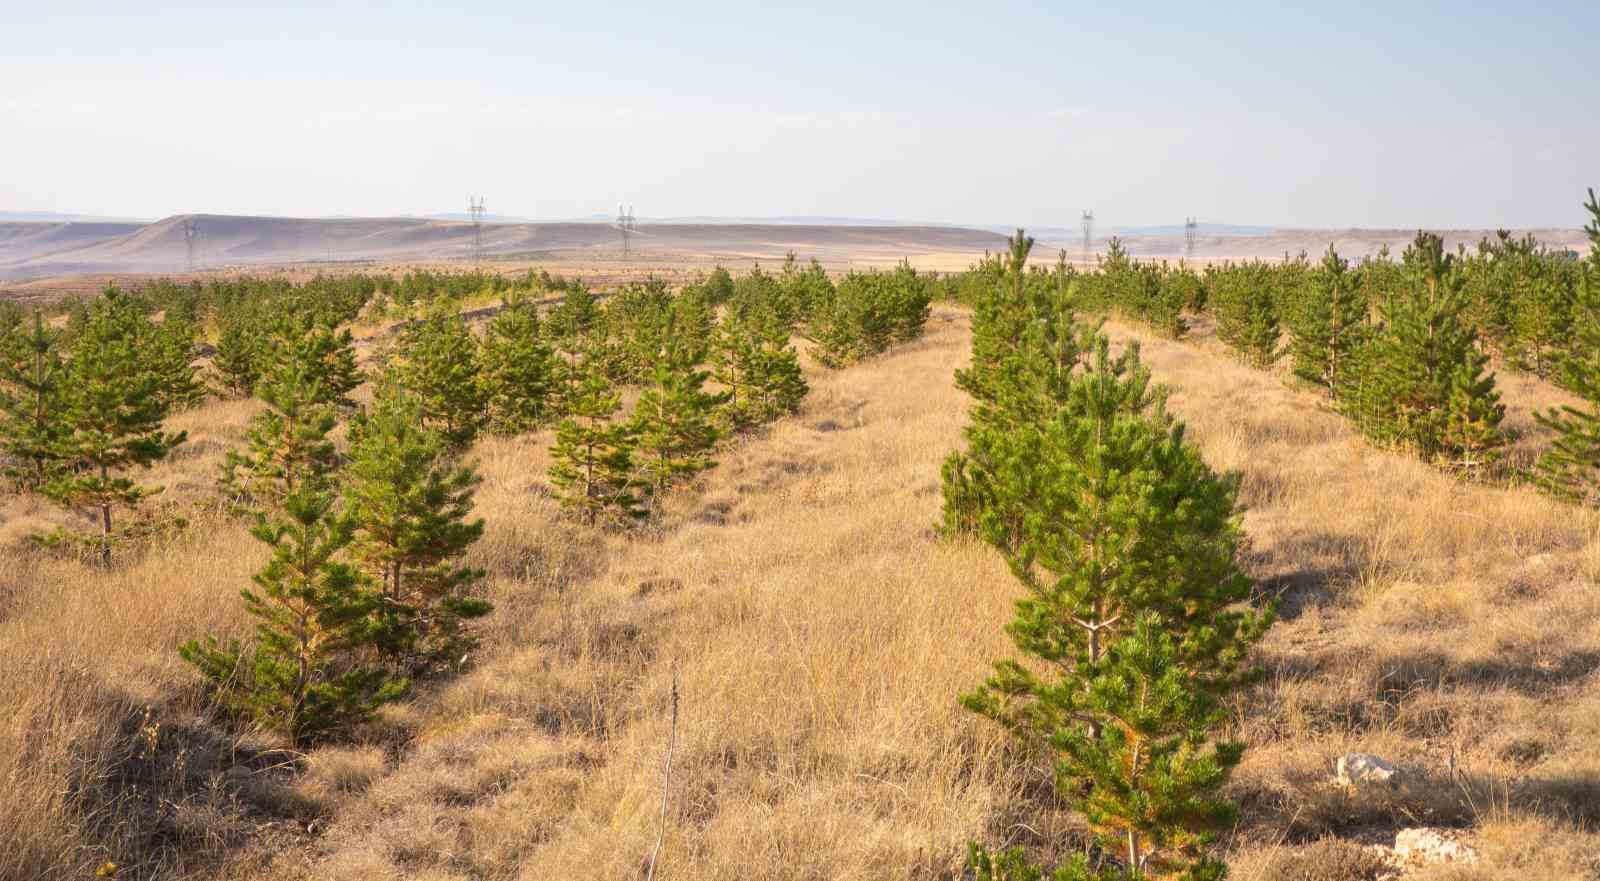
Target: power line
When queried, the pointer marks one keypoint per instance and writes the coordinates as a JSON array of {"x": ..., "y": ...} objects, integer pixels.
[
  {"x": 475, "y": 208},
  {"x": 1088, "y": 233},
  {"x": 1190, "y": 225}
]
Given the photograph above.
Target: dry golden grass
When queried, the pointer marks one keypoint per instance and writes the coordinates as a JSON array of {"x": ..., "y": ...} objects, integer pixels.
[{"x": 819, "y": 634}]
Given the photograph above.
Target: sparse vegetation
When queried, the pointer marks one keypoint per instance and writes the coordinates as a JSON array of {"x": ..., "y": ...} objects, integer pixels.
[{"x": 789, "y": 581}]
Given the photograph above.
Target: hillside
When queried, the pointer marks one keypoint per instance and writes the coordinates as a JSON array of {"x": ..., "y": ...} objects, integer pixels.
[
  {"x": 34, "y": 240},
  {"x": 38, "y": 250},
  {"x": 31, "y": 250}
]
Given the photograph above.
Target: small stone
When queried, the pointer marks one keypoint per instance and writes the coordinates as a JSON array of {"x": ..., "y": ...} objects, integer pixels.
[
  {"x": 1355, "y": 769},
  {"x": 1425, "y": 846}
]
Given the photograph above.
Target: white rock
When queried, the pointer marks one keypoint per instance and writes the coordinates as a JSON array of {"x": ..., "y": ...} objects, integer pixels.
[
  {"x": 1363, "y": 768},
  {"x": 1424, "y": 845}
]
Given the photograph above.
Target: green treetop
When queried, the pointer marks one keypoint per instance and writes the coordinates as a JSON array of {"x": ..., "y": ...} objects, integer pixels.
[
  {"x": 302, "y": 676},
  {"x": 517, "y": 369},
  {"x": 1135, "y": 614},
  {"x": 594, "y": 471},
  {"x": 438, "y": 363},
  {"x": 1570, "y": 468},
  {"x": 1422, "y": 382},
  {"x": 675, "y": 420},
  {"x": 1327, "y": 323},
  {"x": 287, "y": 443},
  {"x": 30, "y": 375},
  {"x": 113, "y": 405},
  {"x": 411, "y": 502}
]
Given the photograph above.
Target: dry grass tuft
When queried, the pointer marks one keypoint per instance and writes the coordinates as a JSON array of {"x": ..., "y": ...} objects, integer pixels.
[{"x": 1327, "y": 860}]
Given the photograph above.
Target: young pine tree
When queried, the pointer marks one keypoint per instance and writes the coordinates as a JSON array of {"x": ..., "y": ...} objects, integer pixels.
[
  {"x": 694, "y": 323},
  {"x": 774, "y": 380},
  {"x": 1246, "y": 308},
  {"x": 113, "y": 403},
  {"x": 837, "y": 339},
  {"x": 1541, "y": 310},
  {"x": 675, "y": 421},
  {"x": 911, "y": 303},
  {"x": 1423, "y": 382},
  {"x": 237, "y": 360},
  {"x": 594, "y": 471},
  {"x": 438, "y": 363},
  {"x": 169, "y": 351},
  {"x": 733, "y": 360},
  {"x": 1000, "y": 313},
  {"x": 1127, "y": 545},
  {"x": 1570, "y": 468},
  {"x": 1026, "y": 349},
  {"x": 577, "y": 313},
  {"x": 411, "y": 501},
  {"x": 516, "y": 369},
  {"x": 719, "y": 286},
  {"x": 1327, "y": 323},
  {"x": 801, "y": 290},
  {"x": 302, "y": 676},
  {"x": 287, "y": 444},
  {"x": 30, "y": 375}
]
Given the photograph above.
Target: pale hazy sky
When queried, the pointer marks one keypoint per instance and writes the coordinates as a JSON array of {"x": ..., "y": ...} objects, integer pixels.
[{"x": 1396, "y": 114}]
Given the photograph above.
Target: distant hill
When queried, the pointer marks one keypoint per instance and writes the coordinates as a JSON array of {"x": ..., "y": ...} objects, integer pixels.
[
  {"x": 30, "y": 241},
  {"x": 39, "y": 249},
  {"x": 34, "y": 250}
]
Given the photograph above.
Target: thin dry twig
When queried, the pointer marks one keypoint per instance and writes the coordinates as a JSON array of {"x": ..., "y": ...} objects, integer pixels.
[{"x": 666, "y": 777}]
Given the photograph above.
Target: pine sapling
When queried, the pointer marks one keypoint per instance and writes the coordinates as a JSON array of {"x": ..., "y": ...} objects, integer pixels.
[
  {"x": 237, "y": 359},
  {"x": 113, "y": 405},
  {"x": 1570, "y": 467},
  {"x": 675, "y": 421},
  {"x": 438, "y": 364},
  {"x": 412, "y": 502},
  {"x": 287, "y": 443},
  {"x": 1327, "y": 323},
  {"x": 517, "y": 369},
  {"x": 594, "y": 472},
  {"x": 30, "y": 375},
  {"x": 303, "y": 675},
  {"x": 1136, "y": 615}
]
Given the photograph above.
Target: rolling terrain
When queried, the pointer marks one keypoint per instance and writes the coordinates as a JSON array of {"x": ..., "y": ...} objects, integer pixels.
[
  {"x": 31, "y": 251},
  {"x": 37, "y": 250}
]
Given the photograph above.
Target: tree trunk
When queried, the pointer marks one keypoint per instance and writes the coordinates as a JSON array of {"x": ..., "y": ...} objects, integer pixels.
[{"x": 105, "y": 521}]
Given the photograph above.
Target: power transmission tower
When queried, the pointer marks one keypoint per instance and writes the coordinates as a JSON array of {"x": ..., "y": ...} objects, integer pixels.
[
  {"x": 625, "y": 226},
  {"x": 1190, "y": 225},
  {"x": 475, "y": 208},
  {"x": 189, "y": 240},
  {"x": 1088, "y": 233}
]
